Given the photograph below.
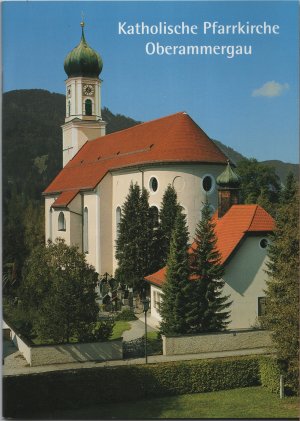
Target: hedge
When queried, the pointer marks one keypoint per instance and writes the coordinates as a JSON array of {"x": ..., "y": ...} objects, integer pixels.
[
  {"x": 269, "y": 373},
  {"x": 33, "y": 393}
]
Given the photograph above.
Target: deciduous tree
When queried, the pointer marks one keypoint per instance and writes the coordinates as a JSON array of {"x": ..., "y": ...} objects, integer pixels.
[
  {"x": 60, "y": 286},
  {"x": 257, "y": 178}
]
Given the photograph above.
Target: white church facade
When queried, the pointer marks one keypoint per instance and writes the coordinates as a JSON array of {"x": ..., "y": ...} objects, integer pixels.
[{"x": 83, "y": 203}]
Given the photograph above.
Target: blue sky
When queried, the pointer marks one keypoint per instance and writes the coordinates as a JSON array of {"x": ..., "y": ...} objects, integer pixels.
[{"x": 249, "y": 102}]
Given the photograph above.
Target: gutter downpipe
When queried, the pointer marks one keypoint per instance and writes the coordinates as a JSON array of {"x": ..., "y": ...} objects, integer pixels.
[{"x": 142, "y": 177}]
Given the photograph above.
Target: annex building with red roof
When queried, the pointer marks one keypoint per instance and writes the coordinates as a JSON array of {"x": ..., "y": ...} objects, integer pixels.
[
  {"x": 83, "y": 203},
  {"x": 242, "y": 239}
]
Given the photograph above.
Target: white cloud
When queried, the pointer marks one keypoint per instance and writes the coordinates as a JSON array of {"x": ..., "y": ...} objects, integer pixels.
[{"x": 271, "y": 89}]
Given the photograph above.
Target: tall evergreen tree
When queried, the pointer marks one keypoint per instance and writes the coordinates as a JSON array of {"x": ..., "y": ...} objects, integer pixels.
[
  {"x": 133, "y": 246},
  {"x": 155, "y": 243},
  {"x": 282, "y": 294},
  {"x": 145, "y": 235},
  {"x": 288, "y": 194},
  {"x": 177, "y": 287},
  {"x": 207, "y": 307},
  {"x": 168, "y": 212}
]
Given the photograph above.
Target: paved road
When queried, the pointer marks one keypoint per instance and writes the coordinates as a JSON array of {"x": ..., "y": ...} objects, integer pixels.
[
  {"x": 13, "y": 371},
  {"x": 137, "y": 330}
]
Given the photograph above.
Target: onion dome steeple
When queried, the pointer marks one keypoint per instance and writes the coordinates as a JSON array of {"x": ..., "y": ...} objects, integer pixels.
[
  {"x": 228, "y": 190},
  {"x": 228, "y": 178},
  {"x": 83, "y": 61}
]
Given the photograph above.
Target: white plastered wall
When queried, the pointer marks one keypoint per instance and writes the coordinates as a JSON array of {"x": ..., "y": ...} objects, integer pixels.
[
  {"x": 77, "y": 98},
  {"x": 245, "y": 279},
  {"x": 187, "y": 180},
  {"x": 49, "y": 235},
  {"x": 91, "y": 202},
  {"x": 106, "y": 250},
  {"x": 73, "y": 233},
  {"x": 154, "y": 309},
  {"x": 76, "y": 134},
  {"x": 75, "y": 211}
]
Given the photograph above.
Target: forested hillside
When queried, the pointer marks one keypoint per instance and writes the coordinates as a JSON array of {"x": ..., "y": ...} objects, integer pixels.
[{"x": 32, "y": 139}]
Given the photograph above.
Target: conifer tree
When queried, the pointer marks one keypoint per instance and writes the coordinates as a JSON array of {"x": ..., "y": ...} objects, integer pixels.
[
  {"x": 282, "y": 294},
  {"x": 168, "y": 211},
  {"x": 155, "y": 243},
  {"x": 144, "y": 236},
  {"x": 288, "y": 194},
  {"x": 177, "y": 287},
  {"x": 207, "y": 307},
  {"x": 133, "y": 246}
]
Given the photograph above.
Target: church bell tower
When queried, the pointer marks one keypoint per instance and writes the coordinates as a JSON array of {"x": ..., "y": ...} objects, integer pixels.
[
  {"x": 228, "y": 190},
  {"x": 83, "y": 120}
]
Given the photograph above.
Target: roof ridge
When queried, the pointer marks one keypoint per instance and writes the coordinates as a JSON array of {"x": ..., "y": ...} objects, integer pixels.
[
  {"x": 141, "y": 124},
  {"x": 252, "y": 219}
]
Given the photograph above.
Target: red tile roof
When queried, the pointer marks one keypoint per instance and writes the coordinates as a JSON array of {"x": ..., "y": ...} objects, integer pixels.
[
  {"x": 230, "y": 230},
  {"x": 175, "y": 138},
  {"x": 65, "y": 198}
]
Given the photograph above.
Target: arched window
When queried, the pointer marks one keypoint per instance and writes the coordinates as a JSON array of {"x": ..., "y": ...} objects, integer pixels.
[
  {"x": 118, "y": 220},
  {"x": 69, "y": 108},
  {"x": 88, "y": 107},
  {"x": 50, "y": 224},
  {"x": 85, "y": 230},
  {"x": 61, "y": 222}
]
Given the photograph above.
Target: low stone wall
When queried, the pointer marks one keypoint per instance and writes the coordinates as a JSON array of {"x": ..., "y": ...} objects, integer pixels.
[
  {"x": 23, "y": 345},
  {"x": 69, "y": 353},
  {"x": 216, "y": 342},
  {"x": 37, "y": 355}
]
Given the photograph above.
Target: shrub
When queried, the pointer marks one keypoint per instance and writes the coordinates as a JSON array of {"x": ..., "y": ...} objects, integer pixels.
[
  {"x": 269, "y": 373},
  {"x": 270, "y": 369},
  {"x": 127, "y": 315},
  {"x": 99, "y": 332}
]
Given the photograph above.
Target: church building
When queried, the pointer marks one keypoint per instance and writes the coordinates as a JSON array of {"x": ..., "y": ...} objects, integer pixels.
[{"x": 83, "y": 203}]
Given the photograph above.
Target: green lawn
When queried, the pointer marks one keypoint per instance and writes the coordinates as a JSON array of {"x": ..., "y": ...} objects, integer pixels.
[
  {"x": 251, "y": 402},
  {"x": 119, "y": 328}
]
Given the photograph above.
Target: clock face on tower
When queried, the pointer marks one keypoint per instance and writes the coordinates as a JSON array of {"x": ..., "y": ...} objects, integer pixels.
[{"x": 88, "y": 90}]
